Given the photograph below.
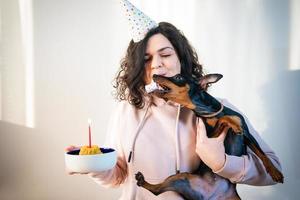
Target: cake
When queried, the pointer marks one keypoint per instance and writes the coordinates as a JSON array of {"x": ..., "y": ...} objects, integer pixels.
[{"x": 87, "y": 150}]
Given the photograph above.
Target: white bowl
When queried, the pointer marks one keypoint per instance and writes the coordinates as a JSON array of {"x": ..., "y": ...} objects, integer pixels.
[{"x": 91, "y": 163}]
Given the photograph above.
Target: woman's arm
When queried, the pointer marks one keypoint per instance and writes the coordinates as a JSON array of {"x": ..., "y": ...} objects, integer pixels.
[
  {"x": 117, "y": 175},
  {"x": 113, "y": 177}
]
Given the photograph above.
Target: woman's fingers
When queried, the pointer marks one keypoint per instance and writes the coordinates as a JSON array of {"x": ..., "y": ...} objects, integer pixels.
[
  {"x": 222, "y": 136},
  {"x": 201, "y": 131},
  {"x": 71, "y": 173},
  {"x": 71, "y": 148},
  {"x": 202, "y": 134},
  {"x": 74, "y": 173}
]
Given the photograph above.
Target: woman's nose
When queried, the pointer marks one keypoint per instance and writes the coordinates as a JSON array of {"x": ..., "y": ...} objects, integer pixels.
[{"x": 156, "y": 62}]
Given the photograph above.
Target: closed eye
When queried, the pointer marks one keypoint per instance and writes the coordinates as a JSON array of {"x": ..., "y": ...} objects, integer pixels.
[{"x": 148, "y": 58}]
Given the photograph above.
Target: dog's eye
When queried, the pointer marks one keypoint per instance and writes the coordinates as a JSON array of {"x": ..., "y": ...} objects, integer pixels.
[
  {"x": 179, "y": 80},
  {"x": 178, "y": 77}
]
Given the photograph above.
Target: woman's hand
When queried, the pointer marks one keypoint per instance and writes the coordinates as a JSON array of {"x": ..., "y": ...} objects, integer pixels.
[
  {"x": 210, "y": 150},
  {"x": 71, "y": 148}
]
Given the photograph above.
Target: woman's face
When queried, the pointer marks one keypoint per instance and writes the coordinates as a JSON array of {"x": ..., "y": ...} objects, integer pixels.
[{"x": 160, "y": 58}]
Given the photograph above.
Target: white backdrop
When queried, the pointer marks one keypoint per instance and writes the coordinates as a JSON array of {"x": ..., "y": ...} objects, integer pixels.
[{"x": 58, "y": 59}]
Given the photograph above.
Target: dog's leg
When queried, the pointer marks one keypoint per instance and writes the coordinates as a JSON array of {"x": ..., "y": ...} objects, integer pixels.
[
  {"x": 233, "y": 121},
  {"x": 220, "y": 128},
  {"x": 155, "y": 189},
  {"x": 179, "y": 183},
  {"x": 225, "y": 122},
  {"x": 271, "y": 169}
]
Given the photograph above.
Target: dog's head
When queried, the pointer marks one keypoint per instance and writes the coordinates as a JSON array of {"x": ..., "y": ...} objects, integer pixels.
[{"x": 189, "y": 93}]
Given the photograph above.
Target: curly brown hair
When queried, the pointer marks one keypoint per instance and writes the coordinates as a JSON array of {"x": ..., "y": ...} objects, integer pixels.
[{"x": 129, "y": 82}]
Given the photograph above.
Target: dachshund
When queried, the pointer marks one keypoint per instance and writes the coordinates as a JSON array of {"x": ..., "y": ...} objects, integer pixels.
[{"x": 202, "y": 183}]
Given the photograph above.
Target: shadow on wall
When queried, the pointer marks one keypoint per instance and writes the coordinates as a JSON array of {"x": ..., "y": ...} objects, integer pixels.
[
  {"x": 32, "y": 168},
  {"x": 281, "y": 98}
]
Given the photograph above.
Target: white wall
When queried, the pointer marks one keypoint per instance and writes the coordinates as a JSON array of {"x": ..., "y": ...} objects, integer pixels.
[{"x": 77, "y": 49}]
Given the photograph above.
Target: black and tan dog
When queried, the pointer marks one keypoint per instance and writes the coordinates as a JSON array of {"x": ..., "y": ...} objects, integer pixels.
[{"x": 217, "y": 118}]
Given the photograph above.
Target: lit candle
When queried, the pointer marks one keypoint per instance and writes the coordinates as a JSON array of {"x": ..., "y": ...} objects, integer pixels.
[{"x": 90, "y": 135}]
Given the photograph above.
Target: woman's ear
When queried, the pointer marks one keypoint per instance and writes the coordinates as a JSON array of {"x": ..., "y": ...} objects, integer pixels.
[{"x": 209, "y": 78}]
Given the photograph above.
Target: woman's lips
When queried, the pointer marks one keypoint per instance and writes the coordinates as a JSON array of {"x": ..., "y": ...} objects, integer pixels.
[{"x": 161, "y": 74}]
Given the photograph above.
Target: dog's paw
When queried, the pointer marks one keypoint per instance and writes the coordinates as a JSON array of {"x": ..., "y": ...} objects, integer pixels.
[{"x": 140, "y": 179}]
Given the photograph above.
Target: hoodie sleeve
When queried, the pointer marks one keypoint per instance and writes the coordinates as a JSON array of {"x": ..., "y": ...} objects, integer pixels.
[
  {"x": 249, "y": 169},
  {"x": 117, "y": 175}
]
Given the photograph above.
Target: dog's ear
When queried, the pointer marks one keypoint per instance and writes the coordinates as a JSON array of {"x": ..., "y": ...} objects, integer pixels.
[{"x": 208, "y": 79}]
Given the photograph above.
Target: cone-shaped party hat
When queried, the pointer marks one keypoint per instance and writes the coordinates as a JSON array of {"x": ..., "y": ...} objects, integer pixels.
[{"x": 139, "y": 23}]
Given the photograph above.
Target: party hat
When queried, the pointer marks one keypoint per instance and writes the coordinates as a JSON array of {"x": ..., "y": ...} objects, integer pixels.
[{"x": 139, "y": 23}]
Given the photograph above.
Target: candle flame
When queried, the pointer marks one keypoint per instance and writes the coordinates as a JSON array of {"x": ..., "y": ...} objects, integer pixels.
[{"x": 89, "y": 121}]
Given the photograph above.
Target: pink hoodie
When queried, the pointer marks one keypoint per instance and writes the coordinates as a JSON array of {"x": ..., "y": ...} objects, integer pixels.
[{"x": 162, "y": 143}]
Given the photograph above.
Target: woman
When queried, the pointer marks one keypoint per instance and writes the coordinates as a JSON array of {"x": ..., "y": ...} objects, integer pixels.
[{"x": 160, "y": 138}]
